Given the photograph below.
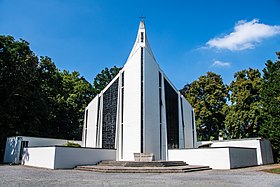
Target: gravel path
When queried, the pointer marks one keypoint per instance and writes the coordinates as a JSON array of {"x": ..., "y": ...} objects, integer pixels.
[{"x": 21, "y": 176}]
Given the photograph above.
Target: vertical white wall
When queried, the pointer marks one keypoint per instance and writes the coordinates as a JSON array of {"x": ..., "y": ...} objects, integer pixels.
[
  {"x": 189, "y": 135},
  {"x": 151, "y": 106},
  {"x": 181, "y": 121},
  {"x": 84, "y": 133},
  {"x": 119, "y": 126},
  {"x": 89, "y": 134},
  {"x": 164, "y": 124},
  {"x": 194, "y": 131},
  {"x": 132, "y": 107},
  {"x": 100, "y": 122}
]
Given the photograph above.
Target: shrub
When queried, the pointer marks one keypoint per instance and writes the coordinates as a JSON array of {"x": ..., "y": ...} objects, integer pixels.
[{"x": 72, "y": 144}]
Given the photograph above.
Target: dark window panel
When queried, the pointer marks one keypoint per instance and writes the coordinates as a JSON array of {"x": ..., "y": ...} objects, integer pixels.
[
  {"x": 110, "y": 101},
  {"x": 171, "y": 103},
  {"x": 142, "y": 99}
]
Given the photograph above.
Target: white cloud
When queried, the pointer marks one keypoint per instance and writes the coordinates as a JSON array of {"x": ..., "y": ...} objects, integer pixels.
[
  {"x": 218, "y": 63},
  {"x": 245, "y": 36}
]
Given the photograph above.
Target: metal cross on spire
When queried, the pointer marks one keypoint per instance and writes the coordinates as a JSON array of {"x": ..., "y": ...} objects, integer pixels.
[{"x": 142, "y": 17}]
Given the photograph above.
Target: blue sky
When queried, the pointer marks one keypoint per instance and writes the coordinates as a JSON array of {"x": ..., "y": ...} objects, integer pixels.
[{"x": 188, "y": 37}]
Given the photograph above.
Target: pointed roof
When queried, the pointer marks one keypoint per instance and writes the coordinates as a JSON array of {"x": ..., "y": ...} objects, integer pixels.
[{"x": 141, "y": 41}]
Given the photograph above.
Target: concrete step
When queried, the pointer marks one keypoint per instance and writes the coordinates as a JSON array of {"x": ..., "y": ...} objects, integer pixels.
[
  {"x": 111, "y": 163},
  {"x": 122, "y": 169},
  {"x": 141, "y": 164},
  {"x": 194, "y": 168},
  {"x": 174, "y": 163}
]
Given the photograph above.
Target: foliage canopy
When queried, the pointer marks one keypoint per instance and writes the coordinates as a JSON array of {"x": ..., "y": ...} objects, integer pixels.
[
  {"x": 208, "y": 97},
  {"x": 243, "y": 115},
  {"x": 36, "y": 99},
  {"x": 270, "y": 94}
]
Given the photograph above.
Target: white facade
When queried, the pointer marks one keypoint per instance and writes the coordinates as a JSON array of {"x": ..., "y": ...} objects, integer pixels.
[{"x": 147, "y": 114}]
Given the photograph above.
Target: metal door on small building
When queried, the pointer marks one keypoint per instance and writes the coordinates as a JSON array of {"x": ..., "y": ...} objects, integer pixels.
[{"x": 22, "y": 146}]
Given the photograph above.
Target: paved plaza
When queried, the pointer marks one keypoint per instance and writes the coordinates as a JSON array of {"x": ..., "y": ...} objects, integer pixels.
[{"x": 22, "y": 176}]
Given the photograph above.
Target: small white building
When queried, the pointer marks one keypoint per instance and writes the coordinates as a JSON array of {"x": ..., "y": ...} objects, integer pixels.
[
  {"x": 15, "y": 146},
  {"x": 262, "y": 146}
]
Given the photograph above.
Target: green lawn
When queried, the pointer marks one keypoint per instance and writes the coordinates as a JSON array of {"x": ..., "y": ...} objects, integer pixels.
[{"x": 275, "y": 170}]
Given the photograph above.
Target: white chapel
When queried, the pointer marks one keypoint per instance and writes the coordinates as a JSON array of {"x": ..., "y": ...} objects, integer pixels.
[
  {"x": 140, "y": 110},
  {"x": 139, "y": 114}
]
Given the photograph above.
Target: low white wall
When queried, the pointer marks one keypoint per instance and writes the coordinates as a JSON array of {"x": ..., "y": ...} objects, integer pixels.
[
  {"x": 60, "y": 157},
  {"x": 67, "y": 157},
  {"x": 216, "y": 158},
  {"x": 39, "y": 157}
]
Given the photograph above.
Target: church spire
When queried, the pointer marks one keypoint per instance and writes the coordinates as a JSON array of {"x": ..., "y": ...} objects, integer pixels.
[
  {"x": 142, "y": 34},
  {"x": 141, "y": 40}
]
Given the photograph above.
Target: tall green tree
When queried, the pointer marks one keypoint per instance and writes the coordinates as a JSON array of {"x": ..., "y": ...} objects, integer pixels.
[
  {"x": 51, "y": 86},
  {"x": 36, "y": 98},
  {"x": 104, "y": 78},
  {"x": 270, "y": 93},
  {"x": 21, "y": 107},
  {"x": 76, "y": 94},
  {"x": 243, "y": 114},
  {"x": 208, "y": 96},
  {"x": 66, "y": 95}
]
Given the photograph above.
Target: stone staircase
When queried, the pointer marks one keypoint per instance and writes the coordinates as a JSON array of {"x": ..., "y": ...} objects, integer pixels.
[
  {"x": 141, "y": 164},
  {"x": 108, "y": 166}
]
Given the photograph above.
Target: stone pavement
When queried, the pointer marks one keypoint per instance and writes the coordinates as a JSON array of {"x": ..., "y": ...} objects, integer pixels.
[{"x": 22, "y": 176}]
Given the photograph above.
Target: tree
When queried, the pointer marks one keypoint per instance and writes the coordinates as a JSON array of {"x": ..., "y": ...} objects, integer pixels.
[
  {"x": 21, "y": 107},
  {"x": 76, "y": 94},
  {"x": 243, "y": 114},
  {"x": 36, "y": 99},
  {"x": 51, "y": 86},
  {"x": 104, "y": 78},
  {"x": 270, "y": 93},
  {"x": 66, "y": 95},
  {"x": 208, "y": 97}
]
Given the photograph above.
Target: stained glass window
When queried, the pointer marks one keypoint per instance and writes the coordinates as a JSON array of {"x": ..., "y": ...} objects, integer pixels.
[
  {"x": 171, "y": 102},
  {"x": 110, "y": 101}
]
